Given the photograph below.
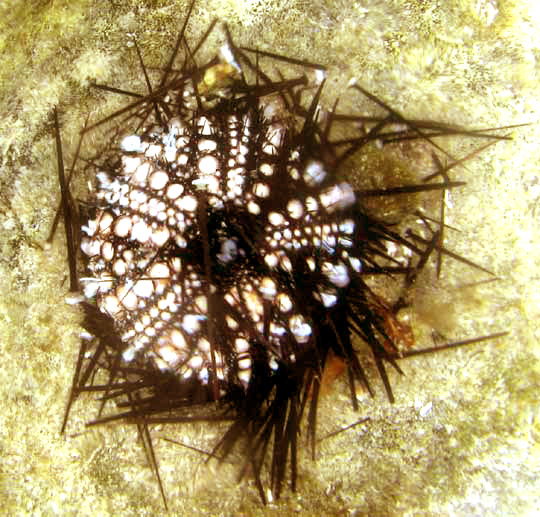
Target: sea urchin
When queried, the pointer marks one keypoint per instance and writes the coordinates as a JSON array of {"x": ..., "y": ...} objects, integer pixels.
[{"x": 227, "y": 261}]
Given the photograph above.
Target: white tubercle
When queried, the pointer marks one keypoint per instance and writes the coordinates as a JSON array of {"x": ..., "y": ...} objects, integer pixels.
[
  {"x": 295, "y": 208},
  {"x": 268, "y": 288},
  {"x": 122, "y": 226},
  {"x": 143, "y": 288},
  {"x": 328, "y": 299},
  {"x": 206, "y": 145},
  {"x": 131, "y": 144},
  {"x": 314, "y": 173},
  {"x": 253, "y": 208},
  {"x": 188, "y": 203},
  {"x": 130, "y": 164},
  {"x": 141, "y": 232},
  {"x": 158, "y": 180},
  {"x": 276, "y": 219},
  {"x": 174, "y": 191},
  {"x": 241, "y": 345},
  {"x": 338, "y": 274},
  {"x": 338, "y": 197},
  {"x": 208, "y": 164},
  {"x": 356, "y": 264},
  {"x": 266, "y": 169},
  {"x": 300, "y": 328},
  {"x": 191, "y": 323},
  {"x": 261, "y": 190}
]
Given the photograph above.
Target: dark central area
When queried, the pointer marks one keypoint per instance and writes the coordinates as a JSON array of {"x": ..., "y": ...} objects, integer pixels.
[{"x": 234, "y": 241}]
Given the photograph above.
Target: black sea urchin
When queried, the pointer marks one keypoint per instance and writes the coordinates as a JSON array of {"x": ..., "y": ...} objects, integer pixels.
[{"x": 226, "y": 260}]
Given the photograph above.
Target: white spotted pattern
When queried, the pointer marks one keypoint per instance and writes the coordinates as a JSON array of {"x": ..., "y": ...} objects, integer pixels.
[{"x": 232, "y": 178}]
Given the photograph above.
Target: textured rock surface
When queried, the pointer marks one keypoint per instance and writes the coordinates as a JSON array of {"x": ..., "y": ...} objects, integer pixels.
[{"x": 462, "y": 437}]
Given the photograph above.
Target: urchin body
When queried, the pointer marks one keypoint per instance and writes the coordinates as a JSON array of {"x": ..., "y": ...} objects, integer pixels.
[{"x": 232, "y": 182}]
